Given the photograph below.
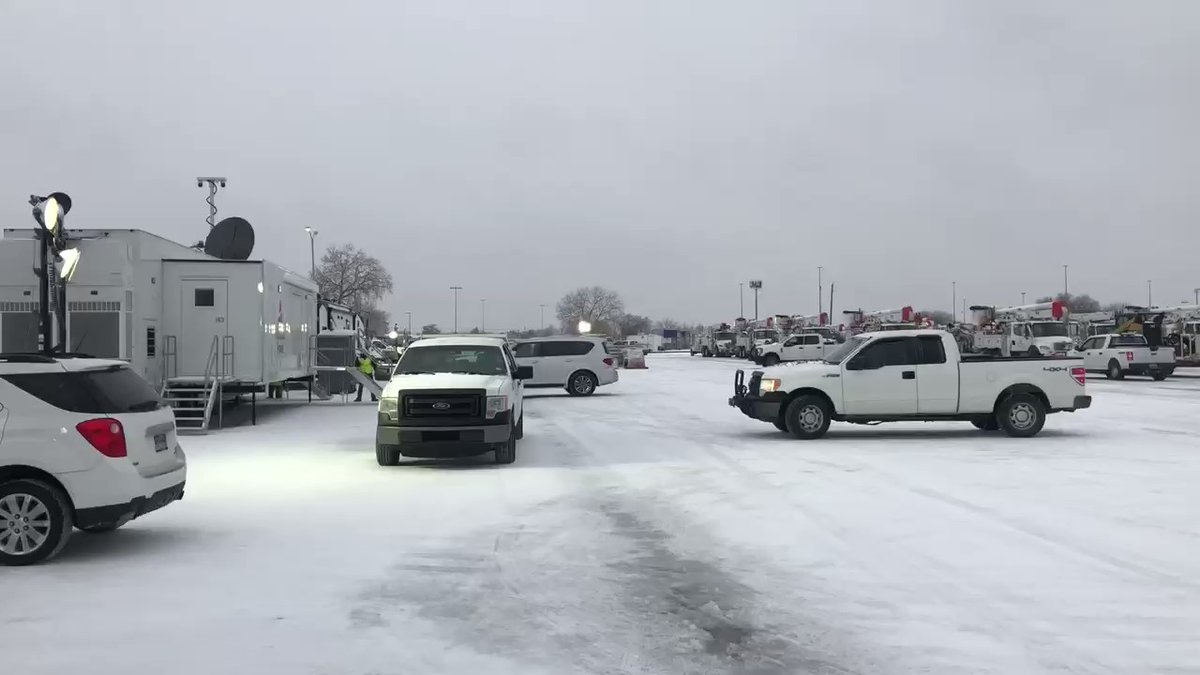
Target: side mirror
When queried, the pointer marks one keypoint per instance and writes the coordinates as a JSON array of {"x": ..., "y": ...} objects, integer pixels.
[{"x": 524, "y": 373}]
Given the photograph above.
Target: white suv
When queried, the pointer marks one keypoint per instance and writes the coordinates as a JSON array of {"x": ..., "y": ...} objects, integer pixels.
[
  {"x": 452, "y": 397},
  {"x": 84, "y": 443},
  {"x": 579, "y": 364}
]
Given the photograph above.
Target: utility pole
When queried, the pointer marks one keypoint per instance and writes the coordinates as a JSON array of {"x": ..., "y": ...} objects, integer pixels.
[
  {"x": 312, "y": 251},
  {"x": 820, "y": 294},
  {"x": 1197, "y": 292},
  {"x": 482, "y": 315},
  {"x": 964, "y": 316},
  {"x": 1149, "y": 293},
  {"x": 212, "y": 182},
  {"x": 741, "y": 299},
  {"x": 456, "y": 289},
  {"x": 542, "y": 310},
  {"x": 756, "y": 286},
  {"x": 409, "y": 315},
  {"x": 953, "y": 296}
]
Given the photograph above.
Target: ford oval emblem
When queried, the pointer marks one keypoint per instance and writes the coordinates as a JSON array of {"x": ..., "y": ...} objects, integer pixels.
[{"x": 441, "y": 405}]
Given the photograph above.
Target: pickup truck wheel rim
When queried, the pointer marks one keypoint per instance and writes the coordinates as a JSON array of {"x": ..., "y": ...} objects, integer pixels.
[
  {"x": 24, "y": 524},
  {"x": 811, "y": 418},
  {"x": 1022, "y": 415}
]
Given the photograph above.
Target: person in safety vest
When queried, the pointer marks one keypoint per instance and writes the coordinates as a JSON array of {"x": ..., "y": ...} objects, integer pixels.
[{"x": 366, "y": 367}]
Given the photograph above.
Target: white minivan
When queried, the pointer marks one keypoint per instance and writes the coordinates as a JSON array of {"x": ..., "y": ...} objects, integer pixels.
[{"x": 577, "y": 363}]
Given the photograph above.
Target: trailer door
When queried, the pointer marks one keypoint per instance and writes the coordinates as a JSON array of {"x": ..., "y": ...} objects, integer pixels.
[{"x": 204, "y": 304}]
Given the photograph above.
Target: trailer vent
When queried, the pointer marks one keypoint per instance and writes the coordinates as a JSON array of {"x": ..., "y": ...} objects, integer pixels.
[
  {"x": 19, "y": 307},
  {"x": 93, "y": 306}
]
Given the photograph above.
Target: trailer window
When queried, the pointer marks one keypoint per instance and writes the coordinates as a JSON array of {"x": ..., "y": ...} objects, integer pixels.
[
  {"x": 205, "y": 297},
  {"x": 151, "y": 343}
]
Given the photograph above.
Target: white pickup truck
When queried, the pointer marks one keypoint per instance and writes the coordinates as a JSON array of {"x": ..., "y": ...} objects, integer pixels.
[
  {"x": 1116, "y": 355},
  {"x": 798, "y": 347},
  {"x": 912, "y": 375}
]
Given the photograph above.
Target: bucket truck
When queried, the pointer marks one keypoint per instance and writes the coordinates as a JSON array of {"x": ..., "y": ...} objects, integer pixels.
[{"x": 1040, "y": 329}]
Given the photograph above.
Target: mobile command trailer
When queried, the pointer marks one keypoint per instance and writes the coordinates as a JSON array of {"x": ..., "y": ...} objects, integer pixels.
[{"x": 196, "y": 326}]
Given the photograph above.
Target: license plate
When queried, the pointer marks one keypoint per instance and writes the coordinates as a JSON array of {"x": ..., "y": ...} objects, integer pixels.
[{"x": 160, "y": 443}]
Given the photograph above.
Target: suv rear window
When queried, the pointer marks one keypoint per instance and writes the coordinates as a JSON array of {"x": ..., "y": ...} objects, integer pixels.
[{"x": 110, "y": 391}]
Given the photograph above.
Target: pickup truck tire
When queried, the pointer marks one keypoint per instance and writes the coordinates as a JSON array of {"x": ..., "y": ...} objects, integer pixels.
[
  {"x": 506, "y": 452},
  {"x": 1114, "y": 371},
  {"x": 1160, "y": 376},
  {"x": 520, "y": 431},
  {"x": 1021, "y": 415},
  {"x": 387, "y": 455},
  {"x": 986, "y": 423},
  {"x": 808, "y": 417},
  {"x": 781, "y": 424},
  {"x": 771, "y": 360},
  {"x": 706, "y": 352}
]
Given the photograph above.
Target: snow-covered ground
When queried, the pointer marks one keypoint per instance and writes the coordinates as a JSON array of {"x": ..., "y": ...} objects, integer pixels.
[{"x": 649, "y": 529}]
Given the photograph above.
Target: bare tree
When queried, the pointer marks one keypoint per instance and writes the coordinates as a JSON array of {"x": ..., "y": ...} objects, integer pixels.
[
  {"x": 595, "y": 304},
  {"x": 377, "y": 321},
  {"x": 632, "y": 324},
  {"x": 667, "y": 324},
  {"x": 350, "y": 276}
]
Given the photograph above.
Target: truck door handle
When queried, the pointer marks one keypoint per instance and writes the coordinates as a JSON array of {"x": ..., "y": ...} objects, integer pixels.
[{"x": 909, "y": 374}]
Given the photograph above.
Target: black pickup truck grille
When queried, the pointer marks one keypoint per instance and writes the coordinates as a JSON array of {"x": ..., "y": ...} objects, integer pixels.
[{"x": 445, "y": 407}]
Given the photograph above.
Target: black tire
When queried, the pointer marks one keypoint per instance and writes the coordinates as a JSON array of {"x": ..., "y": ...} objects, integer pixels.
[
  {"x": 808, "y": 417},
  {"x": 770, "y": 360},
  {"x": 1114, "y": 371},
  {"x": 521, "y": 427},
  {"x": 780, "y": 424},
  {"x": 506, "y": 453},
  {"x": 1021, "y": 415},
  {"x": 1160, "y": 376},
  {"x": 28, "y": 499},
  {"x": 986, "y": 423},
  {"x": 581, "y": 383},
  {"x": 387, "y": 455},
  {"x": 1033, "y": 351}
]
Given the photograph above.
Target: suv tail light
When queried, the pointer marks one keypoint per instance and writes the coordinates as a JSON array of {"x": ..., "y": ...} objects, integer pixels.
[
  {"x": 105, "y": 434},
  {"x": 1079, "y": 374},
  {"x": 608, "y": 361}
]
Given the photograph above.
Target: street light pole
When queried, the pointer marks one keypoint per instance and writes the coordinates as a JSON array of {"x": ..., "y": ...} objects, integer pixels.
[
  {"x": 482, "y": 315},
  {"x": 820, "y": 294},
  {"x": 953, "y": 296},
  {"x": 1066, "y": 291},
  {"x": 542, "y": 314},
  {"x": 409, "y": 315},
  {"x": 1022, "y": 297},
  {"x": 1197, "y": 292},
  {"x": 756, "y": 286},
  {"x": 456, "y": 289},
  {"x": 1149, "y": 293},
  {"x": 741, "y": 299},
  {"x": 312, "y": 251}
]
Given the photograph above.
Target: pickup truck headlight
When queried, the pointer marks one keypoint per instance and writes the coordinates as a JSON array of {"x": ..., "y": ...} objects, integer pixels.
[
  {"x": 495, "y": 406},
  {"x": 389, "y": 410},
  {"x": 768, "y": 385}
]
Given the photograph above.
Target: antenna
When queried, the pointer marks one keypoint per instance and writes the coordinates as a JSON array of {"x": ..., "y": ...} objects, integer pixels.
[
  {"x": 213, "y": 182},
  {"x": 230, "y": 239}
]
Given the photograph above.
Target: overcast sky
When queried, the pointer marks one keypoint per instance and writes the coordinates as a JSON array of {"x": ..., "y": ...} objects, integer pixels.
[{"x": 668, "y": 150}]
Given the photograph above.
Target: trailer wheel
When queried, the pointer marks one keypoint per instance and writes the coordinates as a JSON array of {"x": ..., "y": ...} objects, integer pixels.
[
  {"x": 1021, "y": 415},
  {"x": 1114, "y": 371}
]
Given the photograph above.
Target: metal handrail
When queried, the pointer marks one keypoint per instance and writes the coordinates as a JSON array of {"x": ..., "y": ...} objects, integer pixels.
[
  {"x": 228, "y": 346},
  {"x": 210, "y": 366}
]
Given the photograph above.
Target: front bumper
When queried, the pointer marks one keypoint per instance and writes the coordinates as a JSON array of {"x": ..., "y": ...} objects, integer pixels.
[
  {"x": 119, "y": 514},
  {"x": 746, "y": 399},
  {"x": 436, "y": 442}
]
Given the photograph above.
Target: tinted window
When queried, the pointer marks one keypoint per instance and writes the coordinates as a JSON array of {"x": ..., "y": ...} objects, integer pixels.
[
  {"x": 812, "y": 339},
  {"x": 525, "y": 350},
  {"x": 565, "y": 348},
  {"x": 110, "y": 391},
  {"x": 205, "y": 297},
  {"x": 930, "y": 350},
  {"x": 1128, "y": 341},
  {"x": 888, "y": 353},
  {"x": 792, "y": 342},
  {"x": 151, "y": 343}
]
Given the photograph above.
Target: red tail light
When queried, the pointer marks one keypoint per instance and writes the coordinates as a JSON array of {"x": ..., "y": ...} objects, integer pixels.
[
  {"x": 608, "y": 361},
  {"x": 1128, "y": 356},
  {"x": 1079, "y": 374},
  {"x": 105, "y": 434}
]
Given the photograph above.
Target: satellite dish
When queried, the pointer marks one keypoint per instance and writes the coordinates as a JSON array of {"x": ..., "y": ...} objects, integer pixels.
[{"x": 230, "y": 239}]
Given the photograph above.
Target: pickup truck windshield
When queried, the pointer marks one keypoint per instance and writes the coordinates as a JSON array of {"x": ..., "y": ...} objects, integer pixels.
[
  {"x": 1048, "y": 330},
  {"x": 467, "y": 359},
  {"x": 840, "y": 352}
]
